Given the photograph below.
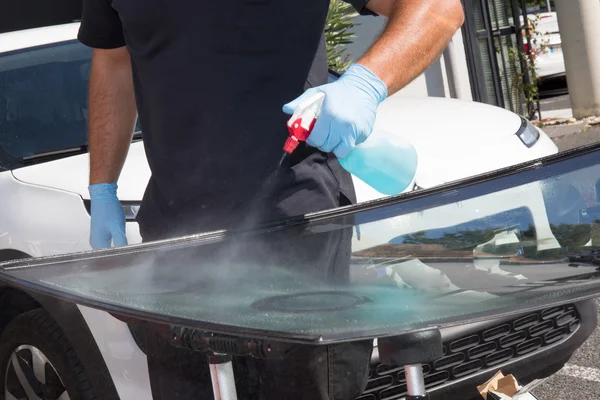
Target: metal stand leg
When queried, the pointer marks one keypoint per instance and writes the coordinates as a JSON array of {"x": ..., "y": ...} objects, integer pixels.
[
  {"x": 415, "y": 382},
  {"x": 412, "y": 350},
  {"x": 221, "y": 373},
  {"x": 221, "y": 348}
]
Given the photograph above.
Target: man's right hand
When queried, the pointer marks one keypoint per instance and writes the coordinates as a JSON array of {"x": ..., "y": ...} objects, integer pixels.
[{"x": 108, "y": 217}]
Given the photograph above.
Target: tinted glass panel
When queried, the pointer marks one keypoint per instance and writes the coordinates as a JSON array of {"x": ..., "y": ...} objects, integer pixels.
[
  {"x": 43, "y": 98},
  {"x": 43, "y": 101},
  {"x": 521, "y": 240}
]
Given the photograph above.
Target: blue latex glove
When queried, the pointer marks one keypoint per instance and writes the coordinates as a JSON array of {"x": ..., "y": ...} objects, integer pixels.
[
  {"x": 348, "y": 112},
  {"x": 108, "y": 217}
]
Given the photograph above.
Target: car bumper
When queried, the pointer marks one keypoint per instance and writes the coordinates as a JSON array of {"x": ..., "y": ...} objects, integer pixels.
[{"x": 540, "y": 354}]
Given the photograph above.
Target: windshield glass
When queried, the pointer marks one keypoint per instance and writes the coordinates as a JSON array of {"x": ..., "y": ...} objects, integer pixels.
[
  {"x": 43, "y": 100},
  {"x": 471, "y": 251}
]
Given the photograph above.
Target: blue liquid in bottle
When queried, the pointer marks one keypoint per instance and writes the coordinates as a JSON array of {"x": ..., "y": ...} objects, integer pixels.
[{"x": 384, "y": 161}]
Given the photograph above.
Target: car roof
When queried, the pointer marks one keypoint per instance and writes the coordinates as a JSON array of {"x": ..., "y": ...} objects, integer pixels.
[{"x": 23, "y": 39}]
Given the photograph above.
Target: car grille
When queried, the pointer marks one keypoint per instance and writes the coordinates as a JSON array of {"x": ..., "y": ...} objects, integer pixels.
[{"x": 487, "y": 349}]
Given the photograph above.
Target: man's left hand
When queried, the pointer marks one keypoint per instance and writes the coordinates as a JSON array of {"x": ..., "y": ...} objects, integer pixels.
[{"x": 348, "y": 112}]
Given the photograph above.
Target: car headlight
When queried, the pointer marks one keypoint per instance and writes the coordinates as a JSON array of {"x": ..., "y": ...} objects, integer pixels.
[
  {"x": 528, "y": 133},
  {"x": 130, "y": 208}
]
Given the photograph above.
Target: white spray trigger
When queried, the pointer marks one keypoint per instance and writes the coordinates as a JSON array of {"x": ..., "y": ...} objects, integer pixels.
[{"x": 308, "y": 110}]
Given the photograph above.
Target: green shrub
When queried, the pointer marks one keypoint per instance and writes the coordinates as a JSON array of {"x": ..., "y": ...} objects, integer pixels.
[{"x": 338, "y": 33}]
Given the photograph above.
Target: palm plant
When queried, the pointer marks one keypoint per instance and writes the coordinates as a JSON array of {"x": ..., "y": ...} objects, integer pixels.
[{"x": 338, "y": 33}]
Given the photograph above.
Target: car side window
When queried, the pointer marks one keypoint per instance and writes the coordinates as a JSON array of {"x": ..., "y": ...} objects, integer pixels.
[{"x": 43, "y": 100}]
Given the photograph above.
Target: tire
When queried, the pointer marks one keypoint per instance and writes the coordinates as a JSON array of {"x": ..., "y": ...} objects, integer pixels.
[{"x": 34, "y": 336}]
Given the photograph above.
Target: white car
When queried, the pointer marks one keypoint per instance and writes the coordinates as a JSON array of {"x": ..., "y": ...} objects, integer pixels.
[
  {"x": 44, "y": 201},
  {"x": 547, "y": 46}
]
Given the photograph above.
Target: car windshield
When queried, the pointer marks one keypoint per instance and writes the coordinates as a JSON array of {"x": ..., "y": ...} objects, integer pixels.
[
  {"x": 521, "y": 239},
  {"x": 43, "y": 101}
]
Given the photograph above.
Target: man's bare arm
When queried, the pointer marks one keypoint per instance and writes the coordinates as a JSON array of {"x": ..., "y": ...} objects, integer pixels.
[
  {"x": 112, "y": 114},
  {"x": 416, "y": 34}
]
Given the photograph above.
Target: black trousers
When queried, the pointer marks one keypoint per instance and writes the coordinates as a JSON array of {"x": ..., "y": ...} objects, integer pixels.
[{"x": 335, "y": 372}]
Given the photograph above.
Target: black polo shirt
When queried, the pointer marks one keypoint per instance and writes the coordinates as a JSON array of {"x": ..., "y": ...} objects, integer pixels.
[{"x": 210, "y": 81}]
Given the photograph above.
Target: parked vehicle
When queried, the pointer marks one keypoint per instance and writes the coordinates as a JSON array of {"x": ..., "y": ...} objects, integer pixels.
[
  {"x": 44, "y": 211},
  {"x": 43, "y": 147},
  {"x": 547, "y": 46}
]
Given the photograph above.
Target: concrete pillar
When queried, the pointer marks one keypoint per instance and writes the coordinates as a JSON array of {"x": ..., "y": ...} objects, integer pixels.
[
  {"x": 579, "y": 25},
  {"x": 434, "y": 79},
  {"x": 457, "y": 69}
]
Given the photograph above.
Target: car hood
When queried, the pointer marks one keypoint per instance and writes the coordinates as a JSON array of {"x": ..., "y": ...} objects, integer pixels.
[
  {"x": 444, "y": 123},
  {"x": 72, "y": 173},
  {"x": 454, "y": 139},
  {"x": 443, "y": 113}
]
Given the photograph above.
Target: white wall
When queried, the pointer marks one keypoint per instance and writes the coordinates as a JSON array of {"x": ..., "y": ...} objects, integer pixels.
[{"x": 435, "y": 81}]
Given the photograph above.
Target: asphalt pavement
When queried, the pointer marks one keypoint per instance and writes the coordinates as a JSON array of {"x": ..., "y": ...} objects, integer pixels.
[
  {"x": 562, "y": 102},
  {"x": 573, "y": 136},
  {"x": 554, "y": 98}
]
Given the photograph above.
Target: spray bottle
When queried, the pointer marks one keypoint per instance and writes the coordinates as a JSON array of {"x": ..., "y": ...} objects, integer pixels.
[{"x": 384, "y": 161}]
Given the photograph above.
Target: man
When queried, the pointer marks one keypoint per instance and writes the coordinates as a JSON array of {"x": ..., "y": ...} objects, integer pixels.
[{"x": 209, "y": 80}]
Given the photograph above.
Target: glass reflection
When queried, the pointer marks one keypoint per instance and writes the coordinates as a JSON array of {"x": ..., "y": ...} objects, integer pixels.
[{"x": 522, "y": 240}]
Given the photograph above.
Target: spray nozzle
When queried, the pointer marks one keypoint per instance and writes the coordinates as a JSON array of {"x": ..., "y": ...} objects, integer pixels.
[{"x": 302, "y": 122}]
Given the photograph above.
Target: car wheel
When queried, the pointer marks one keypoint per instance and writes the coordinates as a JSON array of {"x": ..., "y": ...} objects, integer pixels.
[{"x": 38, "y": 362}]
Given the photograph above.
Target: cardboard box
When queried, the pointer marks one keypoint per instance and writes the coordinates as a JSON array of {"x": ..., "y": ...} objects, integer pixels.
[{"x": 501, "y": 387}]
